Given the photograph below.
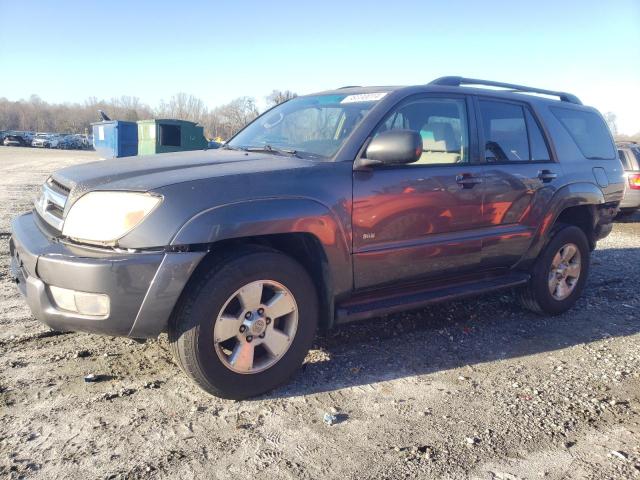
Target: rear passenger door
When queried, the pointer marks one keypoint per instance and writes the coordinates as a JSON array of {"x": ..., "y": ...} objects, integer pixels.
[{"x": 519, "y": 176}]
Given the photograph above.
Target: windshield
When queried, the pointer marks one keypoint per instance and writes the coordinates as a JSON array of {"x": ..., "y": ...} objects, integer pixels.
[{"x": 314, "y": 126}]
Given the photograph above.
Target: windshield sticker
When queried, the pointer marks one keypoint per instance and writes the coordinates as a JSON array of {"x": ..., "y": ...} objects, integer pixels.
[{"x": 364, "y": 97}]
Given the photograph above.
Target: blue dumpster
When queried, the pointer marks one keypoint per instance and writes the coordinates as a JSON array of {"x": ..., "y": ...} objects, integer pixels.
[{"x": 115, "y": 138}]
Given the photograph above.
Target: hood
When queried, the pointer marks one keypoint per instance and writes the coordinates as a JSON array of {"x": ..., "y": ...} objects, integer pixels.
[{"x": 144, "y": 173}]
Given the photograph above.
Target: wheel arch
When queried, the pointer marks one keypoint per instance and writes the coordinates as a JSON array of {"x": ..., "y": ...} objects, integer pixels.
[
  {"x": 304, "y": 229},
  {"x": 574, "y": 204}
]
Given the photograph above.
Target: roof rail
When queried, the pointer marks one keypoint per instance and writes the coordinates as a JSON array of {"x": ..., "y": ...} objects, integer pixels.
[
  {"x": 458, "y": 81},
  {"x": 349, "y": 86}
]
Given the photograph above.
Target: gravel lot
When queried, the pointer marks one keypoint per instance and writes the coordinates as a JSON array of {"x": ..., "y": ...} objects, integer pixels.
[{"x": 474, "y": 389}]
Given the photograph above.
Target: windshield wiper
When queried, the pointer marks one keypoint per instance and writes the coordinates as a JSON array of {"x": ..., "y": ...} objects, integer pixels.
[{"x": 269, "y": 149}]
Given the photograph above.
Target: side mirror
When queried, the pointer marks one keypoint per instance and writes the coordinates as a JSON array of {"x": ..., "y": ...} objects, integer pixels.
[{"x": 393, "y": 147}]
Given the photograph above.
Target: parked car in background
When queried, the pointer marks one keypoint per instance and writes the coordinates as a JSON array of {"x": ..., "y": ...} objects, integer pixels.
[
  {"x": 45, "y": 140},
  {"x": 27, "y": 136},
  {"x": 212, "y": 145},
  {"x": 343, "y": 205},
  {"x": 71, "y": 142},
  {"x": 629, "y": 154},
  {"x": 14, "y": 141}
]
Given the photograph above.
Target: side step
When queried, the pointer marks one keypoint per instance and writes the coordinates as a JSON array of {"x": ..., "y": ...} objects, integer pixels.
[{"x": 360, "y": 309}]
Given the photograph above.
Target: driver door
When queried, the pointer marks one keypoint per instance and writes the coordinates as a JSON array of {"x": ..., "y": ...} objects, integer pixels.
[{"x": 420, "y": 220}]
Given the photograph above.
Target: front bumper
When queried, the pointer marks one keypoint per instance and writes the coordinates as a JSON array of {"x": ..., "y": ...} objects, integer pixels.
[{"x": 143, "y": 287}]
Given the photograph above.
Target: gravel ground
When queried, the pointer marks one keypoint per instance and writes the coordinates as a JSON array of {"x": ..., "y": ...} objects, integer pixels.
[{"x": 476, "y": 389}]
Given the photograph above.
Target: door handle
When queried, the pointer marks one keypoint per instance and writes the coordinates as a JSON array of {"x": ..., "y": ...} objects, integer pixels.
[
  {"x": 467, "y": 180},
  {"x": 547, "y": 175}
]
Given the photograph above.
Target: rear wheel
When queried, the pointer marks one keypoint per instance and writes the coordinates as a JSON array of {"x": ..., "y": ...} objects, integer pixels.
[
  {"x": 245, "y": 325},
  {"x": 559, "y": 274}
]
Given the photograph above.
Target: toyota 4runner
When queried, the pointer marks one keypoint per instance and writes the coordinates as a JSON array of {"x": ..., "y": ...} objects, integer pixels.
[{"x": 338, "y": 206}]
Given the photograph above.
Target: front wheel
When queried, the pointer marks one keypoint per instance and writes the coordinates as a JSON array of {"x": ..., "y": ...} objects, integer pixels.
[
  {"x": 245, "y": 322},
  {"x": 559, "y": 274}
]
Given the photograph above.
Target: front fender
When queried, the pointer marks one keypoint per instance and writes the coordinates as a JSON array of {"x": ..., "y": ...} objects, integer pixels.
[{"x": 274, "y": 216}]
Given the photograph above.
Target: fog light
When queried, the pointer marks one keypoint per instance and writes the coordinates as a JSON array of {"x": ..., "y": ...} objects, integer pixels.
[{"x": 84, "y": 303}]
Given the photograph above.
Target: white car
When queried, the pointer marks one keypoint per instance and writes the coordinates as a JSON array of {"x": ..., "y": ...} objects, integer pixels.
[{"x": 45, "y": 140}]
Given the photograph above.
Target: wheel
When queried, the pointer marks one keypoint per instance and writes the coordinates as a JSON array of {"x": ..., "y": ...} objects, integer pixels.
[
  {"x": 245, "y": 322},
  {"x": 559, "y": 274}
]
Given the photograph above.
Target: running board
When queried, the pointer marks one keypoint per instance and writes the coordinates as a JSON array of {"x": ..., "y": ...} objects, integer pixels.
[{"x": 356, "y": 309}]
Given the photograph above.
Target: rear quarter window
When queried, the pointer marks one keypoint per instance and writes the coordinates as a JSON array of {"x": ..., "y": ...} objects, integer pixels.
[
  {"x": 636, "y": 153},
  {"x": 623, "y": 159},
  {"x": 588, "y": 131}
]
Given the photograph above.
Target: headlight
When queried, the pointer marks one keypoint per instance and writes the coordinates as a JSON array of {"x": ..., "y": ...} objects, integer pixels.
[{"x": 104, "y": 217}]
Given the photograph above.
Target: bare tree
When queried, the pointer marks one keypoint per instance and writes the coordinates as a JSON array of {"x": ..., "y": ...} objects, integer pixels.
[
  {"x": 611, "y": 118},
  {"x": 36, "y": 115},
  {"x": 223, "y": 121},
  {"x": 627, "y": 138},
  {"x": 183, "y": 106},
  {"x": 276, "y": 97},
  {"x": 226, "y": 120}
]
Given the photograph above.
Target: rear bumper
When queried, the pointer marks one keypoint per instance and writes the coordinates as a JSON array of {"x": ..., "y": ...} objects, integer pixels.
[
  {"x": 142, "y": 287},
  {"x": 631, "y": 199},
  {"x": 605, "y": 215}
]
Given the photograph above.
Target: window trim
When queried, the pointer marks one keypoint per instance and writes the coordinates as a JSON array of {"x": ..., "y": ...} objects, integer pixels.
[
  {"x": 525, "y": 106},
  {"x": 472, "y": 132}
]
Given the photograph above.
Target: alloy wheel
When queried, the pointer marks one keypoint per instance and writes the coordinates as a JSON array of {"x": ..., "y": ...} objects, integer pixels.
[
  {"x": 565, "y": 271},
  {"x": 255, "y": 327}
]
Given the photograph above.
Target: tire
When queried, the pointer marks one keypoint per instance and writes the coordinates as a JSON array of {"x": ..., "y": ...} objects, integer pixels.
[
  {"x": 213, "y": 292},
  {"x": 536, "y": 295}
]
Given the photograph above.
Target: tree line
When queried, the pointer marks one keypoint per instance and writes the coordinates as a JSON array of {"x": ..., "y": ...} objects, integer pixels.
[
  {"x": 222, "y": 121},
  {"x": 612, "y": 119}
]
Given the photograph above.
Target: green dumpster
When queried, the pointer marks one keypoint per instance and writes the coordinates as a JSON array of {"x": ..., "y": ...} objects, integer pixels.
[{"x": 168, "y": 135}]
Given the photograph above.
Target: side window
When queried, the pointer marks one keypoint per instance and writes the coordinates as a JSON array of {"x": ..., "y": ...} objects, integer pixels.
[
  {"x": 588, "y": 130},
  {"x": 394, "y": 122},
  {"x": 636, "y": 153},
  {"x": 442, "y": 124},
  {"x": 623, "y": 159},
  {"x": 539, "y": 150},
  {"x": 505, "y": 132}
]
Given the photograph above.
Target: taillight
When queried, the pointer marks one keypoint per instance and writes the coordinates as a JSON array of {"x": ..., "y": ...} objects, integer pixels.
[{"x": 634, "y": 181}]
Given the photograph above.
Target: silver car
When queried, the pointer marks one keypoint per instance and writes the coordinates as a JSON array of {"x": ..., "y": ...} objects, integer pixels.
[{"x": 629, "y": 154}]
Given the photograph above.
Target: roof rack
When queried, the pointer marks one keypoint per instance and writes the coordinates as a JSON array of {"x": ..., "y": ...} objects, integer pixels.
[{"x": 458, "y": 81}]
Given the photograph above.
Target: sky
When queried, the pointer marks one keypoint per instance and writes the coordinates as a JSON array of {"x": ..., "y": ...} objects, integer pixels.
[{"x": 67, "y": 51}]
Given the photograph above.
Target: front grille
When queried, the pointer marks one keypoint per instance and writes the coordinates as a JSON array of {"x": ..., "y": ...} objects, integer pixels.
[
  {"x": 50, "y": 205},
  {"x": 56, "y": 185}
]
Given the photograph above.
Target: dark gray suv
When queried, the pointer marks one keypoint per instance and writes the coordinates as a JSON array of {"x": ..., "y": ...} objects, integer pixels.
[{"x": 338, "y": 206}]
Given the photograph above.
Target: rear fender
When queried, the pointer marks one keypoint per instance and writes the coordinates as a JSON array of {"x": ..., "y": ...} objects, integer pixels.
[{"x": 572, "y": 195}]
